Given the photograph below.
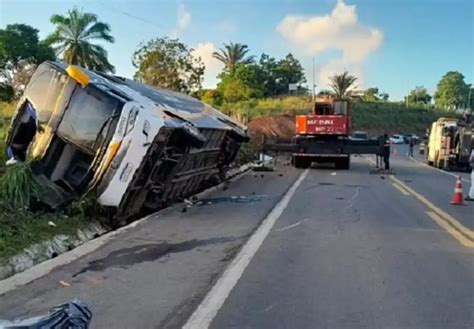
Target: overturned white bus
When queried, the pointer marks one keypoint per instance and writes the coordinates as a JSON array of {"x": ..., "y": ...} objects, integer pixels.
[{"x": 138, "y": 147}]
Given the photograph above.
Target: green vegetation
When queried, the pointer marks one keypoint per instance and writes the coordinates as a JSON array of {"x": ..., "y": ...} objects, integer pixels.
[
  {"x": 168, "y": 63},
  {"x": 248, "y": 153},
  {"x": 233, "y": 54},
  {"x": 20, "y": 226},
  {"x": 20, "y": 51},
  {"x": 6, "y": 112},
  {"x": 21, "y": 229},
  {"x": 453, "y": 93},
  {"x": 72, "y": 39},
  {"x": 19, "y": 190},
  {"x": 378, "y": 118},
  {"x": 341, "y": 83},
  {"x": 419, "y": 96},
  {"x": 268, "y": 77},
  {"x": 374, "y": 117}
]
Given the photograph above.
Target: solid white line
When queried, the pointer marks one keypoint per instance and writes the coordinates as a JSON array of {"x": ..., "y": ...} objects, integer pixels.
[
  {"x": 440, "y": 170},
  {"x": 207, "y": 310}
]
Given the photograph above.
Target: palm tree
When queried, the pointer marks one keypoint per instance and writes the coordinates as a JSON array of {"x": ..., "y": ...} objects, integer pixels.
[
  {"x": 72, "y": 40},
  {"x": 233, "y": 54},
  {"x": 341, "y": 83}
]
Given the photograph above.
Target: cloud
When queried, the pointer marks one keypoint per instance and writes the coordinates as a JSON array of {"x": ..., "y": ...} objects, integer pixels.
[
  {"x": 184, "y": 17},
  {"x": 183, "y": 21},
  {"x": 339, "y": 30},
  {"x": 213, "y": 66}
]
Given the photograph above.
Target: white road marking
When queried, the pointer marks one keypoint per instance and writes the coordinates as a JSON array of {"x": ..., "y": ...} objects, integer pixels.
[
  {"x": 440, "y": 170},
  {"x": 291, "y": 226},
  {"x": 210, "y": 305}
]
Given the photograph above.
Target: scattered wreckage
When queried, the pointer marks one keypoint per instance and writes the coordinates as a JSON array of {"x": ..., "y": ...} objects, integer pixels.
[{"x": 137, "y": 147}]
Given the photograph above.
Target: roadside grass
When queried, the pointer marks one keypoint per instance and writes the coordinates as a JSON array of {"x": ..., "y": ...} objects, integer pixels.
[
  {"x": 3, "y": 155},
  {"x": 6, "y": 112},
  {"x": 380, "y": 118},
  {"x": 21, "y": 229},
  {"x": 248, "y": 152}
]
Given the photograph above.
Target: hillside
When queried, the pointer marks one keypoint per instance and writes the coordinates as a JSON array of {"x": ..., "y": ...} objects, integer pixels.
[{"x": 274, "y": 118}]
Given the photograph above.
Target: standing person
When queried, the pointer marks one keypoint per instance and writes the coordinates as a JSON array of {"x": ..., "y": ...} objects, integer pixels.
[
  {"x": 386, "y": 152},
  {"x": 412, "y": 143},
  {"x": 470, "y": 196}
]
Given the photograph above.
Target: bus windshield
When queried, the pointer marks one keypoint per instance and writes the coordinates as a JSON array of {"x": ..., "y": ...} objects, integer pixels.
[{"x": 91, "y": 113}]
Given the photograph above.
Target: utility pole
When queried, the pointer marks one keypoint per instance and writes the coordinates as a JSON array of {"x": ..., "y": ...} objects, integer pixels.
[{"x": 314, "y": 73}]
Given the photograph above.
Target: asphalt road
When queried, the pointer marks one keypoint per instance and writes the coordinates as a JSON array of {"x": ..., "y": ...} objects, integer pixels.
[
  {"x": 152, "y": 276},
  {"x": 353, "y": 251}
]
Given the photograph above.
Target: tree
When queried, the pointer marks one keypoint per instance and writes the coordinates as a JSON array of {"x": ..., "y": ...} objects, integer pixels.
[
  {"x": 371, "y": 95},
  {"x": 419, "y": 95},
  {"x": 6, "y": 92},
  {"x": 20, "y": 52},
  {"x": 288, "y": 71},
  {"x": 211, "y": 96},
  {"x": 72, "y": 40},
  {"x": 243, "y": 83},
  {"x": 384, "y": 97},
  {"x": 234, "y": 90},
  {"x": 268, "y": 67},
  {"x": 233, "y": 54},
  {"x": 452, "y": 92},
  {"x": 168, "y": 63},
  {"x": 341, "y": 83}
]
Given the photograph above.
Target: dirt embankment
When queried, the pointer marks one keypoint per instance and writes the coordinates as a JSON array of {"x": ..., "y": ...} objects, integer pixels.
[{"x": 278, "y": 128}]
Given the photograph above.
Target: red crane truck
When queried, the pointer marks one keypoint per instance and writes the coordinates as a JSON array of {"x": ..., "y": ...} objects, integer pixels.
[{"x": 324, "y": 136}]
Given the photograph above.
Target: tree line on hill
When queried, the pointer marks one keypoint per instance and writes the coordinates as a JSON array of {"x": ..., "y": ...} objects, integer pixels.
[{"x": 169, "y": 63}]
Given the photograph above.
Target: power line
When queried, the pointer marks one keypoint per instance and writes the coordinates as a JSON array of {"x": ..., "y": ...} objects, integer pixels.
[{"x": 138, "y": 18}]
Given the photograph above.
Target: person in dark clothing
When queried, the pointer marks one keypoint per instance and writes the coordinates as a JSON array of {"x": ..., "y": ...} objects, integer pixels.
[
  {"x": 386, "y": 152},
  {"x": 412, "y": 143}
]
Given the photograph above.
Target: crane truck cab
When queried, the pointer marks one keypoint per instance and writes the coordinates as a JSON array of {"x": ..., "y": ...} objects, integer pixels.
[{"x": 321, "y": 135}]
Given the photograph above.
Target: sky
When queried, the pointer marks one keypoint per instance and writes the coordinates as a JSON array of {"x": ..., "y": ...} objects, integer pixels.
[{"x": 394, "y": 45}]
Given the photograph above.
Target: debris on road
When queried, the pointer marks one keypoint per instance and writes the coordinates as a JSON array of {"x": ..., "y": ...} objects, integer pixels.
[
  {"x": 75, "y": 314},
  {"x": 263, "y": 168},
  {"x": 64, "y": 283},
  {"x": 52, "y": 224}
]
